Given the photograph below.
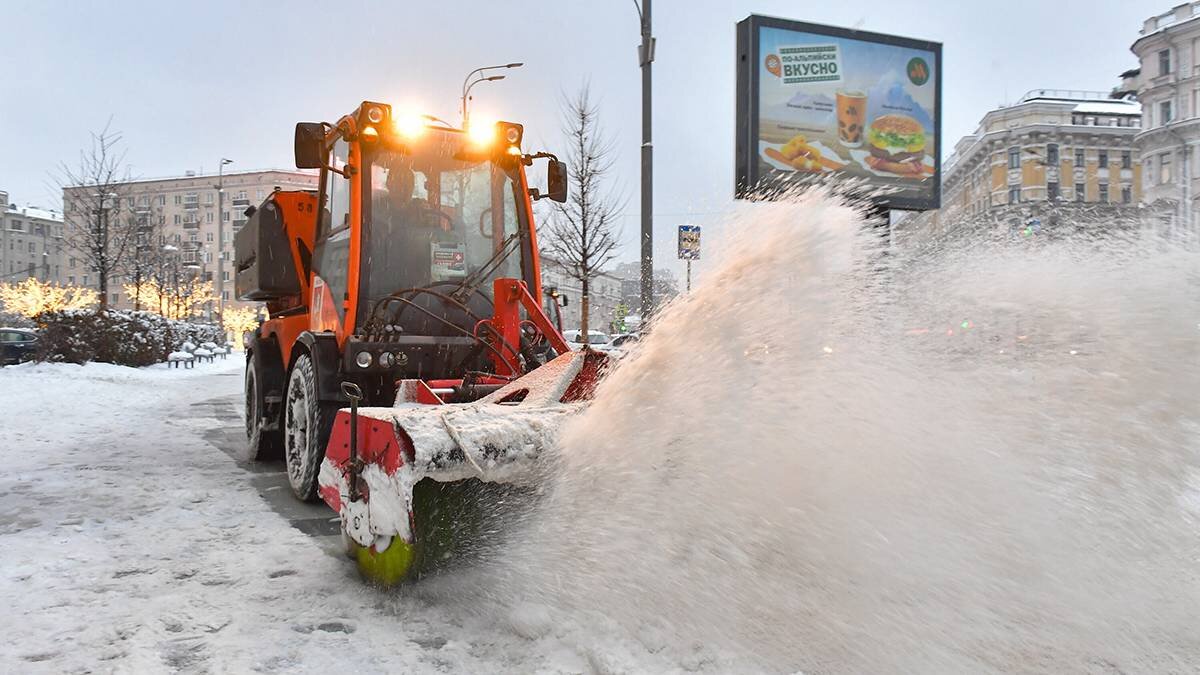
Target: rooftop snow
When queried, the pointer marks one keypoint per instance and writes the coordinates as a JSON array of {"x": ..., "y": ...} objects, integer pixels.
[
  {"x": 34, "y": 212},
  {"x": 1113, "y": 107}
]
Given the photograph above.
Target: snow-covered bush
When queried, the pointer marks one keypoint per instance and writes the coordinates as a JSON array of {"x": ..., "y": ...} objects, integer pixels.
[{"x": 121, "y": 337}]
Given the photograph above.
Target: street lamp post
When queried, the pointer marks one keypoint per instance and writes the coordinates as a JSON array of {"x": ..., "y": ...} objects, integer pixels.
[
  {"x": 221, "y": 239},
  {"x": 645, "y": 58},
  {"x": 468, "y": 83}
]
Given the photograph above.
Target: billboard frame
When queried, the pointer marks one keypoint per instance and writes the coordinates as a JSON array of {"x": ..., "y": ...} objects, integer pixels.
[{"x": 747, "y": 180}]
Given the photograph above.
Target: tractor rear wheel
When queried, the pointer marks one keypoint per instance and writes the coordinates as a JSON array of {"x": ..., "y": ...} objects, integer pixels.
[
  {"x": 263, "y": 444},
  {"x": 307, "y": 423}
]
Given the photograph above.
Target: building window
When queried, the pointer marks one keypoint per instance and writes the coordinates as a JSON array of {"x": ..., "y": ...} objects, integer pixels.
[
  {"x": 260, "y": 195},
  {"x": 1126, "y": 195},
  {"x": 207, "y": 257},
  {"x": 208, "y": 237},
  {"x": 1052, "y": 154},
  {"x": 32, "y": 247},
  {"x": 1079, "y": 157},
  {"x": 241, "y": 195},
  {"x": 1014, "y": 158},
  {"x": 225, "y": 276},
  {"x": 225, "y": 216},
  {"x": 178, "y": 199},
  {"x": 1052, "y": 190},
  {"x": 1164, "y": 112},
  {"x": 1164, "y": 62},
  {"x": 224, "y": 295},
  {"x": 1126, "y": 159},
  {"x": 71, "y": 263},
  {"x": 1079, "y": 192},
  {"x": 1014, "y": 194},
  {"x": 176, "y": 218},
  {"x": 208, "y": 198},
  {"x": 1164, "y": 168},
  {"x": 1103, "y": 159},
  {"x": 208, "y": 217},
  {"x": 71, "y": 280},
  {"x": 1104, "y": 193},
  {"x": 162, "y": 200},
  {"x": 192, "y": 236}
]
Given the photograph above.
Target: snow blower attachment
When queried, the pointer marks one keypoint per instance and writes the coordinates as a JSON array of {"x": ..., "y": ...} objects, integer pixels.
[{"x": 377, "y": 457}]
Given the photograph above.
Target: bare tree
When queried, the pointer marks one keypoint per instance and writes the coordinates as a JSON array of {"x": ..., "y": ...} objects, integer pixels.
[
  {"x": 99, "y": 223},
  {"x": 145, "y": 256},
  {"x": 582, "y": 233}
]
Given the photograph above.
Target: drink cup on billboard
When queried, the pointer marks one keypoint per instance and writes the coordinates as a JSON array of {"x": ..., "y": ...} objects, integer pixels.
[{"x": 851, "y": 115}]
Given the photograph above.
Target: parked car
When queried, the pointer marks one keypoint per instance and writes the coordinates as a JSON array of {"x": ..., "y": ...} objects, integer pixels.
[
  {"x": 622, "y": 342},
  {"x": 17, "y": 345},
  {"x": 596, "y": 339}
]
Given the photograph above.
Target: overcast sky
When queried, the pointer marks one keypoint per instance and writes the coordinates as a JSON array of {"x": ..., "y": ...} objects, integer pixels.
[{"x": 188, "y": 83}]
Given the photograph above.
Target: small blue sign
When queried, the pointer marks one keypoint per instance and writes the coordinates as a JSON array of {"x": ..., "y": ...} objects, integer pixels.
[{"x": 689, "y": 242}]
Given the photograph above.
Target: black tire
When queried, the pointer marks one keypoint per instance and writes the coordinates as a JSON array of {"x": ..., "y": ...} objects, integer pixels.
[
  {"x": 306, "y": 426},
  {"x": 262, "y": 444}
]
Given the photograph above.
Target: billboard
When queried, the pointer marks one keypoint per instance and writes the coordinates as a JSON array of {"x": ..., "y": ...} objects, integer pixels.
[{"x": 817, "y": 102}]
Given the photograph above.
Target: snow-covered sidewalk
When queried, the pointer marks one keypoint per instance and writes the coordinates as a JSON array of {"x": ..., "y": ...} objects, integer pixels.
[{"x": 130, "y": 543}]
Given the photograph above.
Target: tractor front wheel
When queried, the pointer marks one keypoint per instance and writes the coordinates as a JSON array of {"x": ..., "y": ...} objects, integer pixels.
[{"x": 307, "y": 423}]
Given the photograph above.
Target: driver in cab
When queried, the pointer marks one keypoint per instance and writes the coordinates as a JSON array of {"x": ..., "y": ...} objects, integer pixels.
[{"x": 406, "y": 231}]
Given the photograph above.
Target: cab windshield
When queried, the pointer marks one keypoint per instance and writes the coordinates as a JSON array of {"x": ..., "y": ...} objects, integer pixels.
[{"x": 437, "y": 222}]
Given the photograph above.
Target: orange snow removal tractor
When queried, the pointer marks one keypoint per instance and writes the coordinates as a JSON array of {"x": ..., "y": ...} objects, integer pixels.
[{"x": 408, "y": 373}]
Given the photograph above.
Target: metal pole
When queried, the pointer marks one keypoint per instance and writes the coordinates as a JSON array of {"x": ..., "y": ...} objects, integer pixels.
[
  {"x": 221, "y": 240},
  {"x": 646, "y": 57},
  {"x": 689, "y": 275}
]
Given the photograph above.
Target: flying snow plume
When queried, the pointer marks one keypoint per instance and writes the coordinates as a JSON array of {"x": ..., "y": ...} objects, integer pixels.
[{"x": 831, "y": 460}]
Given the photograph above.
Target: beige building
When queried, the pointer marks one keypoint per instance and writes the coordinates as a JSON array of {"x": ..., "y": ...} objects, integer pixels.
[
  {"x": 1053, "y": 152},
  {"x": 604, "y": 294},
  {"x": 1167, "y": 83},
  {"x": 31, "y": 242},
  {"x": 182, "y": 213}
]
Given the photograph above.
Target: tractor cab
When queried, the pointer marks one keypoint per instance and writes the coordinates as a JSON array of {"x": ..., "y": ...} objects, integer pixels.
[{"x": 417, "y": 222}]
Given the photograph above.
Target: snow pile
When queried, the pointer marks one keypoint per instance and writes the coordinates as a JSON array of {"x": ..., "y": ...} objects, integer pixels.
[{"x": 830, "y": 460}]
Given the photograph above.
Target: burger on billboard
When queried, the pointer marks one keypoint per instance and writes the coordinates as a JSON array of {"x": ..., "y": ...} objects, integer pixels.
[{"x": 819, "y": 101}]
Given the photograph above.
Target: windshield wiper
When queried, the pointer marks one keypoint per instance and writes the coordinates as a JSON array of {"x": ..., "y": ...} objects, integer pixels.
[{"x": 472, "y": 281}]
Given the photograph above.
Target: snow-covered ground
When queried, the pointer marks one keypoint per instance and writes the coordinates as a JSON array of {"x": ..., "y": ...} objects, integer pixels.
[{"x": 130, "y": 542}]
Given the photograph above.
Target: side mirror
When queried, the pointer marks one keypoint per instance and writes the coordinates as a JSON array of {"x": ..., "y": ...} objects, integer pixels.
[
  {"x": 556, "y": 180},
  {"x": 310, "y": 145}
]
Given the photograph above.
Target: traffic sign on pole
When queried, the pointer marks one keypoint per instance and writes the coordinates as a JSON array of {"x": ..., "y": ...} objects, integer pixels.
[{"x": 689, "y": 242}]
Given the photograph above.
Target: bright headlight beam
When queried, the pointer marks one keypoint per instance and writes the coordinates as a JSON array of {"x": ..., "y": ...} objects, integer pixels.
[
  {"x": 482, "y": 133},
  {"x": 410, "y": 126}
]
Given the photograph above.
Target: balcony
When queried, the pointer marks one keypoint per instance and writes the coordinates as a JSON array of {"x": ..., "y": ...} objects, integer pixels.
[
  {"x": 191, "y": 206},
  {"x": 238, "y": 224},
  {"x": 191, "y": 225},
  {"x": 243, "y": 203}
]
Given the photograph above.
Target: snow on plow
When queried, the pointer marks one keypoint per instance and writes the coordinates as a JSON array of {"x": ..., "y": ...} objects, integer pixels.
[{"x": 377, "y": 457}]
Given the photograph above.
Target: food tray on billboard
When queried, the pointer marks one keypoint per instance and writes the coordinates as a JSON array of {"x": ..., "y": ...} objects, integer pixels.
[{"x": 820, "y": 101}]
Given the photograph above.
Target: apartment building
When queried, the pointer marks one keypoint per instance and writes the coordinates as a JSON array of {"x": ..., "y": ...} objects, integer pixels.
[
  {"x": 31, "y": 243},
  {"x": 1053, "y": 152},
  {"x": 182, "y": 213},
  {"x": 604, "y": 294},
  {"x": 1167, "y": 83}
]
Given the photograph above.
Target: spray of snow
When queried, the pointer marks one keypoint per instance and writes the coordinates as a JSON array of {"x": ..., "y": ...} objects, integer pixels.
[{"x": 834, "y": 460}]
